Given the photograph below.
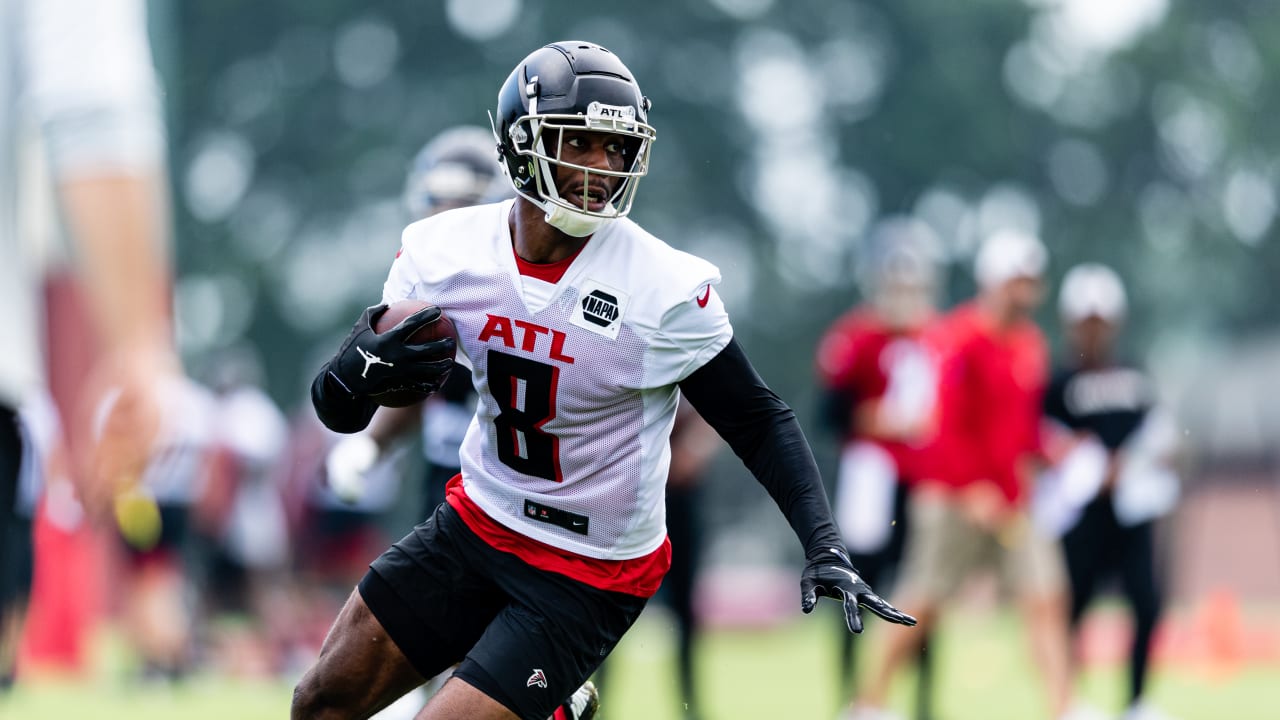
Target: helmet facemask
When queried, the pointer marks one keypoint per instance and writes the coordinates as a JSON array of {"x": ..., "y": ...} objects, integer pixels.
[{"x": 540, "y": 138}]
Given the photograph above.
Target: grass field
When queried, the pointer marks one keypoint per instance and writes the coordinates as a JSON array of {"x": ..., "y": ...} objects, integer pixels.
[{"x": 786, "y": 672}]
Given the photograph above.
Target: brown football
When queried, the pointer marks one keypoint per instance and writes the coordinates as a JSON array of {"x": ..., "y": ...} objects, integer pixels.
[{"x": 438, "y": 330}]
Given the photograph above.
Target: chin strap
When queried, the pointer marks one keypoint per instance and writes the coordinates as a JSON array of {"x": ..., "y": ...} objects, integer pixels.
[{"x": 572, "y": 223}]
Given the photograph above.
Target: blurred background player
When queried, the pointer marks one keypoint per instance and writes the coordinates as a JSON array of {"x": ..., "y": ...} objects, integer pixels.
[
  {"x": 878, "y": 382},
  {"x": 458, "y": 168},
  {"x": 1114, "y": 478},
  {"x": 971, "y": 510},
  {"x": 244, "y": 526},
  {"x": 335, "y": 534},
  {"x": 153, "y": 520},
  {"x": 77, "y": 83},
  {"x": 694, "y": 445}
]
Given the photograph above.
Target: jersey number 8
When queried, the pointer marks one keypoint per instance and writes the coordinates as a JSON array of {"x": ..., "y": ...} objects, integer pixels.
[{"x": 526, "y": 393}]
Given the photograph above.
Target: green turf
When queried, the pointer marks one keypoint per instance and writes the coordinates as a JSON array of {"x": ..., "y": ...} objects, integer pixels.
[
  {"x": 983, "y": 671},
  {"x": 782, "y": 673}
]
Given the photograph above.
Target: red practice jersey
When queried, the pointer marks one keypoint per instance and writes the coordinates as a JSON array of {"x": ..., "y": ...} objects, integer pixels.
[
  {"x": 989, "y": 397},
  {"x": 865, "y": 359}
]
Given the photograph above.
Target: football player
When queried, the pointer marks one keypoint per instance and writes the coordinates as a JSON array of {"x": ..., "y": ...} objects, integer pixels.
[
  {"x": 971, "y": 509},
  {"x": 1107, "y": 409},
  {"x": 878, "y": 386},
  {"x": 582, "y": 331}
]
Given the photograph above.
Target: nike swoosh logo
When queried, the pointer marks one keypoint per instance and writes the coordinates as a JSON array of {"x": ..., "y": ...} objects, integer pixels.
[{"x": 706, "y": 296}]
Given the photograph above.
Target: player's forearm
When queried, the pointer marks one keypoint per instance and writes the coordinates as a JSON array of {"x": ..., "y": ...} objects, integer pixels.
[
  {"x": 340, "y": 411},
  {"x": 764, "y": 433},
  {"x": 119, "y": 222},
  {"x": 783, "y": 463}
]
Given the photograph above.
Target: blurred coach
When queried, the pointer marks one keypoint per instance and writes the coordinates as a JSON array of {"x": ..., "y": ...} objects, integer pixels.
[
  {"x": 972, "y": 510},
  {"x": 77, "y": 82},
  {"x": 1114, "y": 479},
  {"x": 878, "y": 394}
]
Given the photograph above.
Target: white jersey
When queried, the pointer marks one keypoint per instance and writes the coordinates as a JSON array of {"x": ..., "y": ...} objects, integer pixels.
[{"x": 577, "y": 380}]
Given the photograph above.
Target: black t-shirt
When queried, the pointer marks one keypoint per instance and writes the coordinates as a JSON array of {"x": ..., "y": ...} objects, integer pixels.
[{"x": 1109, "y": 402}]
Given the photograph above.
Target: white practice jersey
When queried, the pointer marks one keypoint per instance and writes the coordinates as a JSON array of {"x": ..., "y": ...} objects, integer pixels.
[{"x": 577, "y": 380}]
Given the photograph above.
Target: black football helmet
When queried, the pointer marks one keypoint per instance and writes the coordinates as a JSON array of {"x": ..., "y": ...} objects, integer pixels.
[
  {"x": 571, "y": 85},
  {"x": 457, "y": 168}
]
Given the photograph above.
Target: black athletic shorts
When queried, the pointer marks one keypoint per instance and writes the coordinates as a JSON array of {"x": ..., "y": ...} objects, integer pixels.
[{"x": 525, "y": 637}]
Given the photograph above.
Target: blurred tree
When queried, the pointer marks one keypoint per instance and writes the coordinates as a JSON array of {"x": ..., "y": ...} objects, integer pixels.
[{"x": 1140, "y": 138}]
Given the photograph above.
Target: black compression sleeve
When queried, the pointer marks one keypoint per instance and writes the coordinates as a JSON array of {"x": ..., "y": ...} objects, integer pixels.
[
  {"x": 339, "y": 410},
  {"x": 764, "y": 432}
]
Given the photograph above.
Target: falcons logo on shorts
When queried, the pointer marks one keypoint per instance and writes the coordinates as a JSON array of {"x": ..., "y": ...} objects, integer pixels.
[{"x": 537, "y": 678}]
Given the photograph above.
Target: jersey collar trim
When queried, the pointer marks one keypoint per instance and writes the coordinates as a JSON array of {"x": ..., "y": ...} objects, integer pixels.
[{"x": 546, "y": 272}]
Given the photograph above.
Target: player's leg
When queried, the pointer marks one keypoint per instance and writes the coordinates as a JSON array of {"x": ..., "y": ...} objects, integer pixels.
[
  {"x": 1084, "y": 550},
  {"x": 940, "y": 551},
  {"x": 1045, "y": 614},
  {"x": 869, "y": 566},
  {"x": 683, "y": 531},
  {"x": 535, "y": 664},
  {"x": 892, "y": 558},
  {"x": 544, "y": 644},
  {"x": 461, "y": 700},
  {"x": 1032, "y": 564},
  {"x": 422, "y": 604},
  {"x": 458, "y": 700},
  {"x": 1138, "y": 576},
  {"x": 360, "y": 669},
  {"x": 154, "y": 608}
]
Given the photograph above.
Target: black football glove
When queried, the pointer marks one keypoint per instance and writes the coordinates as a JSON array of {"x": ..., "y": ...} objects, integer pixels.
[
  {"x": 829, "y": 573},
  {"x": 368, "y": 364}
]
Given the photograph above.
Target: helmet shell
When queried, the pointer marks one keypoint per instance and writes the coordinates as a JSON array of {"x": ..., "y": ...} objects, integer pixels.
[{"x": 569, "y": 84}]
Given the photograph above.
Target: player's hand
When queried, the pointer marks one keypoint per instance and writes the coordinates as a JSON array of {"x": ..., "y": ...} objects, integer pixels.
[
  {"x": 829, "y": 573},
  {"x": 347, "y": 464},
  {"x": 368, "y": 363},
  {"x": 114, "y": 428}
]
